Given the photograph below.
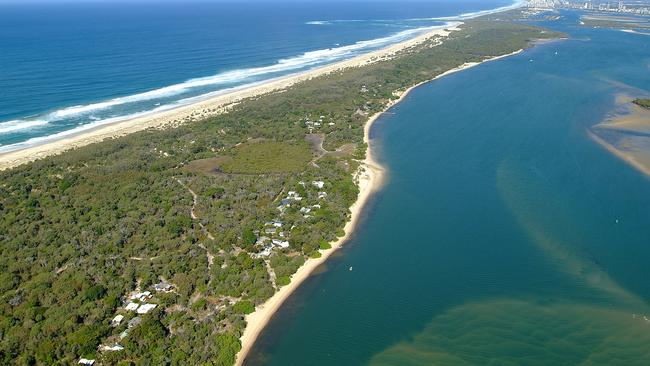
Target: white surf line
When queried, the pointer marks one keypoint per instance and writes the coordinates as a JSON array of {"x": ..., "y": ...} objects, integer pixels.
[{"x": 245, "y": 77}]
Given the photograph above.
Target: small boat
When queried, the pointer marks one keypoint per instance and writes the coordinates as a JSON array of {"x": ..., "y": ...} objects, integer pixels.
[{"x": 350, "y": 268}]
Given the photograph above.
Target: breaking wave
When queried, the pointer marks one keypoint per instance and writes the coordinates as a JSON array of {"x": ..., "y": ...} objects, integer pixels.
[{"x": 195, "y": 88}]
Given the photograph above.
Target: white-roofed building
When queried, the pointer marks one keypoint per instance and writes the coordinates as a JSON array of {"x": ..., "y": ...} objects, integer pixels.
[
  {"x": 113, "y": 348},
  {"x": 142, "y": 296},
  {"x": 145, "y": 308},
  {"x": 117, "y": 320},
  {"x": 281, "y": 243},
  {"x": 163, "y": 287}
]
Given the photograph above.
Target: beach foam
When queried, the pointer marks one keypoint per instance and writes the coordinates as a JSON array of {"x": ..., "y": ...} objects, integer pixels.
[
  {"x": 90, "y": 115},
  {"x": 20, "y": 124}
]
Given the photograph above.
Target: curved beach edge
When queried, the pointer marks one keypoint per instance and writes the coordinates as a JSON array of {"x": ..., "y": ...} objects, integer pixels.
[
  {"x": 206, "y": 108},
  {"x": 369, "y": 179}
]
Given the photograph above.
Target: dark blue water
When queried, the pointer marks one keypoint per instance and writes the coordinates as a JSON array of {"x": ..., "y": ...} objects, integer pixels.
[
  {"x": 504, "y": 235},
  {"x": 67, "y": 67}
]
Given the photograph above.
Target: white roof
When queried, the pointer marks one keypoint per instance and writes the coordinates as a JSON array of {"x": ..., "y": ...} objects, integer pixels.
[
  {"x": 85, "y": 361},
  {"x": 140, "y": 295},
  {"x": 118, "y": 319},
  {"x": 266, "y": 252},
  {"x": 115, "y": 347},
  {"x": 280, "y": 243},
  {"x": 131, "y": 306},
  {"x": 162, "y": 286},
  {"x": 145, "y": 308}
]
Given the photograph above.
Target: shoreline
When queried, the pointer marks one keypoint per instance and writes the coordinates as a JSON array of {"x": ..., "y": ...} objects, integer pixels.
[
  {"x": 206, "y": 108},
  {"x": 370, "y": 178},
  {"x": 628, "y": 159},
  {"x": 369, "y": 182}
]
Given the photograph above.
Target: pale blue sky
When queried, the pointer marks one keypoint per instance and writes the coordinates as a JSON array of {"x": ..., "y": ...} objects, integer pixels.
[{"x": 186, "y": 1}]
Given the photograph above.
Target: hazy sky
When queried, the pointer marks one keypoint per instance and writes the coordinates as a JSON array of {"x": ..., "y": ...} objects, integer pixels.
[{"x": 158, "y": 1}]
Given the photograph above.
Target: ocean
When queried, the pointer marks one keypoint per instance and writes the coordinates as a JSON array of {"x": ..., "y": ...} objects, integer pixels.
[
  {"x": 67, "y": 67},
  {"x": 504, "y": 235}
]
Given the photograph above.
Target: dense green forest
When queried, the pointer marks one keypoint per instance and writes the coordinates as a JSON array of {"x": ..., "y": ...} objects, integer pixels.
[{"x": 219, "y": 213}]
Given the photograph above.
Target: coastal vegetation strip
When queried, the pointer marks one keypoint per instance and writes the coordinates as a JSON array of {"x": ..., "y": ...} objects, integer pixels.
[
  {"x": 83, "y": 232},
  {"x": 645, "y": 103},
  {"x": 614, "y": 22}
]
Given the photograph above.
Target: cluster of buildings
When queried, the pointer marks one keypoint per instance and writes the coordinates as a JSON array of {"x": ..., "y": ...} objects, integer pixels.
[
  {"x": 273, "y": 235},
  {"x": 628, "y": 7},
  {"x": 141, "y": 306},
  {"x": 137, "y": 302},
  {"x": 317, "y": 123}
]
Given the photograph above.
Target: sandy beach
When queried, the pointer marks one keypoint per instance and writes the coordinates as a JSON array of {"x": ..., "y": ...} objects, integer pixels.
[
  {"x": 205, "y": 108},
  {"x": 629, "y": 158},
  {"x": 630, "y": 127},
  {"x": 369, "y": 178}
]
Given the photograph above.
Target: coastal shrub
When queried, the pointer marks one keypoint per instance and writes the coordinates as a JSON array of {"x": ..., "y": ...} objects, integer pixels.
[
  {"x": 282, "y": 281},
  {"x": 228, "y": 346},
  {"x": 324, "y": 245},
  {"x": 244, "y": 307},
  {"x": 199, "y": 304},
  {"x": 645, "y": 103},
  {"x": 248, "y": 237},
  {"x": 95, "y": 292}
]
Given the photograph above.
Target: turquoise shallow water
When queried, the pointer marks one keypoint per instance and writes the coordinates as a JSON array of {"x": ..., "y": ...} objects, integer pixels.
[{"x": 504, "y": 235}]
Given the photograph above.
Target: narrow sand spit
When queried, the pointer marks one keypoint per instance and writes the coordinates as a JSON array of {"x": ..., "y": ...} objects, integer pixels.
[{"x": 210, "y": 107}]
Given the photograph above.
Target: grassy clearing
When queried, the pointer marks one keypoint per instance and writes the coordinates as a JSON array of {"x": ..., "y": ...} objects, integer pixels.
[
  {"x": 207, "y": 166},
  {"x": 268, "y": 157}
]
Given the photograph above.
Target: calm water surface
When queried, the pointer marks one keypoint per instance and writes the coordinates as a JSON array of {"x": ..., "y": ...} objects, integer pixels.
[{"x": 504, "y": 235}]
